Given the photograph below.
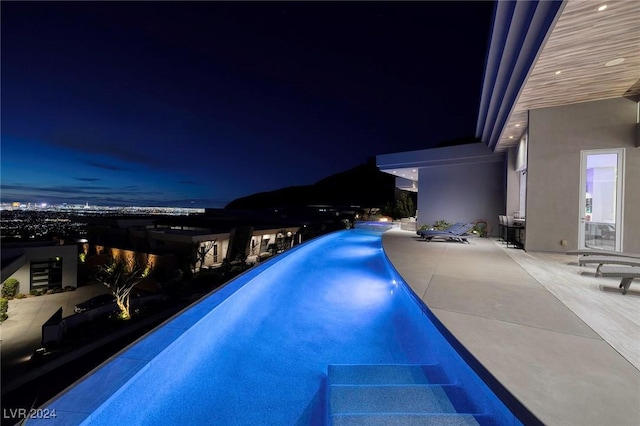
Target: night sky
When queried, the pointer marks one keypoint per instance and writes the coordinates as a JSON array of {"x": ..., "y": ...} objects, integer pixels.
[{"x": 194, "y": 104}]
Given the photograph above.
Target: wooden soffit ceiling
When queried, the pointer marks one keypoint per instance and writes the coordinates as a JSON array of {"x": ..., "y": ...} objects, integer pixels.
[{"x": 590, "y": 55}]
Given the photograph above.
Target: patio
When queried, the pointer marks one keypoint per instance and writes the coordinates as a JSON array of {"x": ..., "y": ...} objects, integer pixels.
[{"x": 565, "y": 343}]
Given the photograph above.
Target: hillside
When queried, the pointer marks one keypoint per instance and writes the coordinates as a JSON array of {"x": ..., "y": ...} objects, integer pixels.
[{"x": 363, "y": 185}]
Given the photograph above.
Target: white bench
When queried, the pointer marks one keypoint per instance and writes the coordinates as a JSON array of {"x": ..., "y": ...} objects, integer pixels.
[
  {"x": 626, "y": 273},
  {"x": 608, "y": 260}
]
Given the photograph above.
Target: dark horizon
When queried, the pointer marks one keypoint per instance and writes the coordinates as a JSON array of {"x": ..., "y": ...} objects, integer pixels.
[{"x": 195, "y": 104}]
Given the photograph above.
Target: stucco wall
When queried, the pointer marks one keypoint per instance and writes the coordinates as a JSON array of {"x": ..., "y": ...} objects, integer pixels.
[
  {"x": 461, "y": 193},
  {"x": 69, "y": 255},
  {"x": 556, "y": 137},
  {"x": 23, "y": 277}
]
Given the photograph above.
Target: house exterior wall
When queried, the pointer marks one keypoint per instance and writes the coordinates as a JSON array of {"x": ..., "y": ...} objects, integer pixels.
[
  {"x": 23, "y": 277},
  {"x": 69, "y": 255},
  {"x": 461, "y": 193},
  {"x": 556, "y": 137}
]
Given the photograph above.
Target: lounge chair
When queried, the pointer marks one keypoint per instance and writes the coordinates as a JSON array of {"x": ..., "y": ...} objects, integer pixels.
[
  {"x": 594, "y": 252},
  {"x": 608, "y": 260},
  {"x": 626, "y": 273},
  {"x": 457, "y": 232},
  {"x": 452, "y": 228}
]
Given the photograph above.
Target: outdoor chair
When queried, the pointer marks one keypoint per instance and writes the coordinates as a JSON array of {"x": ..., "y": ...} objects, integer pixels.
[
  {"x": 626, "y": 273},
  {"x": 482, "y": 228},
  {"x": 502, "y": 230},
  {"x": 452, "y": 228},
  {"x": 585, "y": 253},
  {"x": 511, "y": 231},
  {"x": 457, "y": 232},
  {"x": 608, "y": 260}
]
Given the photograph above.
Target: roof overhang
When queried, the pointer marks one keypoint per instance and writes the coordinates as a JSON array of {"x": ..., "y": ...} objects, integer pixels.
[
  {"x": 11, "y": 266},
  {"x": 405, "y": 165},
  {"x": 553, "y": 53}
]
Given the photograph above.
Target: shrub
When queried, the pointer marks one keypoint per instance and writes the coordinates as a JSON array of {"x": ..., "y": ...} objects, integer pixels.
[
  {"x": 10, "y": 288},
  {"x": 20, "y": 296},
  {"x": 441, "y": 225},
  {"x": 4, "y": 306}
]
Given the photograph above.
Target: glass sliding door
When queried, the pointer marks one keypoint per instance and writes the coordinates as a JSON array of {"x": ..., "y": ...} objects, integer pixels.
[{"x": 601, "y": 185}]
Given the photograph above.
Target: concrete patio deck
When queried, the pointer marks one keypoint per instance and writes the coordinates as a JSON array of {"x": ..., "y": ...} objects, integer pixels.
[{"x": 565, "y": 343}]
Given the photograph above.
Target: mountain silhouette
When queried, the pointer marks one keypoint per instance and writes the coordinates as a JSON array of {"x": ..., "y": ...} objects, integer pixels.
[{"x": 363, "y": 186}]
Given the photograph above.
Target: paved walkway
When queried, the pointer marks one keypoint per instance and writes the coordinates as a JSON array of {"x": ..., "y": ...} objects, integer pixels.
[
  {"x": 21, "y": 333},
  {"x": 535, "y": 345}
]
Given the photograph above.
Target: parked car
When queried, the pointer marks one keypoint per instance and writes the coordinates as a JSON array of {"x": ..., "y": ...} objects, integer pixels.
[
  {"x": 106, "y": 299},
  {"x": 94, "y": 302},
  {"x": 42, "y": 355}
]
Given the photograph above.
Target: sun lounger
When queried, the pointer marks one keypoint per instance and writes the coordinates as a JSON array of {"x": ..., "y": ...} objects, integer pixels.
[
  {"x": 608, "y": 260},
  {"x": 457, "y": 232},
  {"x": 592, "y": 252},
  {"x": 626, "y": 273},
  {"x": 452, "y": 228}
]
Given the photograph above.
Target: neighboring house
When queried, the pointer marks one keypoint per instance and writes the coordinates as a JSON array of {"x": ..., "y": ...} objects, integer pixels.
[
  {"x": 266, "y": 241},
  {"x": 560, "y": 106},
  {"x": 40, "y": 265},
  {"x": 214, "y": 236},
  {"x": 117, "y": 231},
  {"x": 206, "y": 239},
  {"x": 213, "y": 244}
]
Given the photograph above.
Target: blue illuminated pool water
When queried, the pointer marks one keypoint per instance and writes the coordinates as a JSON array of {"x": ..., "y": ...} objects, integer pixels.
[{"x": 257, "y": 351}]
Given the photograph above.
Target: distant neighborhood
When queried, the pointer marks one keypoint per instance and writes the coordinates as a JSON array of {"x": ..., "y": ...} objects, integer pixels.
[{"x": 54, "y": 248}]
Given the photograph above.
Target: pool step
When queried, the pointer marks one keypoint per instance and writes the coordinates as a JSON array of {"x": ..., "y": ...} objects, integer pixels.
[
  {"x": 402, "y": 419},
  {"x": 398, "y": 399},
  {"x": 396, "y": 394},
  {"x": 384, "y": 374}
]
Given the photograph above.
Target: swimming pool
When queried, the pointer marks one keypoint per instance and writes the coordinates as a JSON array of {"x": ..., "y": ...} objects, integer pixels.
[{"x": 326, "y": 332}]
